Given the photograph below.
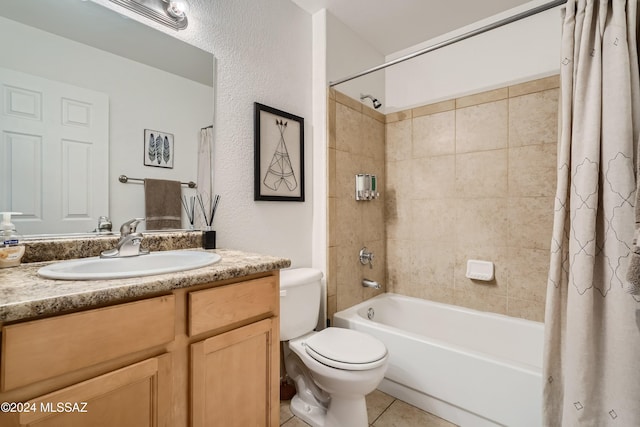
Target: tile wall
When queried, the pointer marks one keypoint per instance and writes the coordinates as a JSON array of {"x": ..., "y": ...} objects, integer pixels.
[
  {"x": 474, "y": 178},
  {"x": 468, "y": 178},
  {"x": 356, "y": 145}
]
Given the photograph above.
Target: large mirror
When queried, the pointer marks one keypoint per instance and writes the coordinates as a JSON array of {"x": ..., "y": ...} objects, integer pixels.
[{"x": 81, "y": 87}]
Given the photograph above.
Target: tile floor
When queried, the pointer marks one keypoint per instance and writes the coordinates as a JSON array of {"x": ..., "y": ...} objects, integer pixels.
[{"x": 383, "y": 411}]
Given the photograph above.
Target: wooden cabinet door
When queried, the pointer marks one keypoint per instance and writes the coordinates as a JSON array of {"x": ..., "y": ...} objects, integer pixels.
[
  {"x": 234, "y": 378},
  {"x": 135, "y": 396}
]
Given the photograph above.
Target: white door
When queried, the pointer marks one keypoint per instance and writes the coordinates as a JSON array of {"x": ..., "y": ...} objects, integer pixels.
[{"x": 54, "y": 154}]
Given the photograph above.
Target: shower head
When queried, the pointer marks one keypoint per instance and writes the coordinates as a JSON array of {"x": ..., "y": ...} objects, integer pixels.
[{"x": 376, "y": 104}]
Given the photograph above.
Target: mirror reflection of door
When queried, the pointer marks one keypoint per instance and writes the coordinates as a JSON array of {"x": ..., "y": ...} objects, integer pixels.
[{"x": 55, "y": 141}]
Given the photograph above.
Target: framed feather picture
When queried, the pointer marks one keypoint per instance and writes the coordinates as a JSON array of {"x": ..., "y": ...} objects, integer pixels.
[{"x": 158, "y": 149}]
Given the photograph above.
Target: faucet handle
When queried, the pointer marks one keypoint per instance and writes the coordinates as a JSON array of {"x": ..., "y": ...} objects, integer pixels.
[
  {"x": 366, "y": 257},
  {"x": 130, "y": 226}
]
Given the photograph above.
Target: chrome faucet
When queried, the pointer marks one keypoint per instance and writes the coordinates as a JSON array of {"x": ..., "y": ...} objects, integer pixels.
[
  {"x": 366, "y": 257},
  {"x": 371, "y": 284},
  {"x": 129, "y": 243},
  {"x": 104, "y": 224}
]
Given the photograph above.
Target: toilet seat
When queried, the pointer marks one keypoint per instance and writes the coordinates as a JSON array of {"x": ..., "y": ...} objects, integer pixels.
[{"x": 346, "y": 349}]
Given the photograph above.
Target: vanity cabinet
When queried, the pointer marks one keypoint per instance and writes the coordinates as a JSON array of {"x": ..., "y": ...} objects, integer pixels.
[
  {"x": 136, "y": 395},
  {"x": 206, "y": 355},
  {"x": 235, "y": 374}
]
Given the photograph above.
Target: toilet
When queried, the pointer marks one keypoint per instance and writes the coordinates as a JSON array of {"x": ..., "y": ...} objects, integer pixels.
[{"x": 333, "y": 369}]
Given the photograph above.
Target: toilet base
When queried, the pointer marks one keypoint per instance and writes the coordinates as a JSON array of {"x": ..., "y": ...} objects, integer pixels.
[
  {"x": 312, "y": 415},
  {"x": 343, "y": 412}
]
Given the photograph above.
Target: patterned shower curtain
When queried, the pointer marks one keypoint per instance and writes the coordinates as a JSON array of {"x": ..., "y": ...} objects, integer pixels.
[{"x": 592, "y": 349}]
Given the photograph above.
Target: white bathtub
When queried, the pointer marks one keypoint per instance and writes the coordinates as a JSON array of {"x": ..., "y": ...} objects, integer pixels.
[{"x": 469, "y": 367}]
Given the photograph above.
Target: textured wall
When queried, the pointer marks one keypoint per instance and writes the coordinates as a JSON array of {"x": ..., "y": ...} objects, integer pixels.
[
  {"x": 263, "y": 53},
  {"x": 474, "y": 178}
]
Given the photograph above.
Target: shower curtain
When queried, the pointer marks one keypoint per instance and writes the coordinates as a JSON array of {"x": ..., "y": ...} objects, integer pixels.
[
  {"x": 205, "y": 180},
  {"x": 592, "y": 345}
]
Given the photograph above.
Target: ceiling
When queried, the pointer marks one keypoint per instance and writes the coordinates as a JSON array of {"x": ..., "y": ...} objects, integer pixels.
[{"x": 393, "y": 25}]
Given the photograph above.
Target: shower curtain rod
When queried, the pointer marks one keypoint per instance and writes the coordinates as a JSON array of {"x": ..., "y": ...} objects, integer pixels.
[{"x": 453, "y": 40}]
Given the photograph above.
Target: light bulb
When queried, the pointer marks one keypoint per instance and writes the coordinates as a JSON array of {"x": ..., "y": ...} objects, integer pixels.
[{"x": 178, "y": 8}]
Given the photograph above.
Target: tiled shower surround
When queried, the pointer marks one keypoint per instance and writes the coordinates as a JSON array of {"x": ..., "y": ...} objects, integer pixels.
[
  {"x": 356, "y": 145},
  {"x": 468, "y": 178}
]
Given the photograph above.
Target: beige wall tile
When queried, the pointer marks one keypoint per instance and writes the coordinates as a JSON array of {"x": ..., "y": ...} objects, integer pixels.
[
  {"x": 535, "y": 86},
  {"x": 398, "y": 116},
  {"x": 360, "y": 148},
  {"x": 482, "y": 127},
  {"x": 432, "y": 264},
  {"x": 348, "y": 129},
  {"x": 530, "y": 310},
  {"x": 485, "y": 194},
  {"x": 331, "y": 123},
  {"x": 445, "y": 295},
  {"x": 398, "y": 141},
  {"x": 332, "y": 271},
  {"x": 530, "y": 222},
  {"x": 480, "y": 299},
  {"x": 533, "y": 118},
  {"x": 397, "y": 214},
  {"x": 346, "y": 168},
  {"x": 347, "y": 222},
  {"x": 434, "y": 135},
  {"x": 481, "y": 222},
  {"x": 481, "y": 174},
  {"x": 528, "y": 272},
  {"x": 372, "y": 218},
  {"x": 482, "y": 97},
  {"x": 438, "y": 107},
  {"x": 374, "y": 114},
  {"x": 348, "y": 101},
  {"x": 331, "y": 173},
  {"x": 433, "y": 221},
  {"x": 350, "y": 291},
  {"x": 432, "y": 178},
  {"x": 332, "y": 307},
  {"x": 398, "y": 266},
  {"x": 373, "y": 135},
  {"x": 332, "y": 206},
  {"x": 532, "y": 171},
  {"x": 399, "y": 179}
]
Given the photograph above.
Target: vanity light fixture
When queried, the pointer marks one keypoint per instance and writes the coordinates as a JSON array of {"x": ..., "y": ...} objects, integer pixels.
[{"x": 172, "y": 13}]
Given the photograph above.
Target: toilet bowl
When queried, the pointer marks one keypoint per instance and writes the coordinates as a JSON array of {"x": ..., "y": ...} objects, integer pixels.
[{"x": 334, "y": 368}]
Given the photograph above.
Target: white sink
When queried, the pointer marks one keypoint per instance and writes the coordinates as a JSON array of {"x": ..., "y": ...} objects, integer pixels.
[{"x": 119, "y": 268}]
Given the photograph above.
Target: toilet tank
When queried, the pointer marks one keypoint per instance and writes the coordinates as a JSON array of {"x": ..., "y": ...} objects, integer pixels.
[{"x": 300, "y": 293}]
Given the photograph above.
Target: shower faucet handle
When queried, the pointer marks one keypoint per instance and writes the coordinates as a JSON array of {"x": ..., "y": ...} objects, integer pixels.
[{"x": 366, "y": 257}]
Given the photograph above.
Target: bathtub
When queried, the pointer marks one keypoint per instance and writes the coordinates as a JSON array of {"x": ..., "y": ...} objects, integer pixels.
[{"x": 469, "y": 367}]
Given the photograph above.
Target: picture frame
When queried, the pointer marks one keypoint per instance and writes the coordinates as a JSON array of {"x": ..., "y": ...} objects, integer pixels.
[
  {"x": 158, "y": 149},
  {"x": 279, "y": 155}
]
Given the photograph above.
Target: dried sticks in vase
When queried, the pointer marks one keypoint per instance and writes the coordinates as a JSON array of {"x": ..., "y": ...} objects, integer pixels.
[
  {"x": 208, "y": 218},
  {"x": 190, "y": 209}
]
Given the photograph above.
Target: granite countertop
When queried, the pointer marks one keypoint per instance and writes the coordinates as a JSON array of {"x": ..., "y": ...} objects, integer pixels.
[{"x": 25, "y": 295}]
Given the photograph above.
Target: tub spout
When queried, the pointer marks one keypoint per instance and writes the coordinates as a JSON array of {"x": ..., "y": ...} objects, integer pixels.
[{"x": 370, "y": 284}]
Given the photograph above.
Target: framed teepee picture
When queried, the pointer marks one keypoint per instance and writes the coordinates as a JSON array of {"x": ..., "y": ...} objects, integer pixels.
[{"x": 279, "y": 155}]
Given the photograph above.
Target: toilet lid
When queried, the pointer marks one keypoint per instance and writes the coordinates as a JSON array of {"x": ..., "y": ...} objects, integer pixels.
[{"x": 346, "y": 349}]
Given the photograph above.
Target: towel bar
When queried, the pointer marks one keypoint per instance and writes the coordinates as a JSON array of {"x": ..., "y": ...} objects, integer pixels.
[{"x": 124, "y": 179}]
